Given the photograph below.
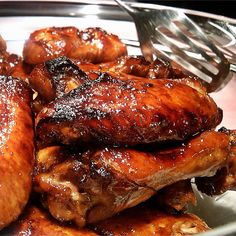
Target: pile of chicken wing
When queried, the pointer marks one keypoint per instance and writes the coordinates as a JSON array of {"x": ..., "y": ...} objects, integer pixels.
[{"x": 97, "y": 142}]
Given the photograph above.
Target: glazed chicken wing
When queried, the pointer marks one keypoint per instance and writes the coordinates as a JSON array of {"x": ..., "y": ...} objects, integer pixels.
[
  {"x": 96, "y": 184},
  {"x": 139, "y": 221},
  {"x": 145, "y": 220},
  {"x": 38, "y": 222},
  {"x": 92, "y": 44},
  {"x": 137, "y": 66},
  {"x": 16, "y": 148},
  {"x": 54, "y": 78},
  {"x": 176, "y": 196},
  {"x": 12, "y": 64},
  {"x": 225, "y": 178},
  {"x": 113, "y": 111},
  {"x": 58, "y": 76}
]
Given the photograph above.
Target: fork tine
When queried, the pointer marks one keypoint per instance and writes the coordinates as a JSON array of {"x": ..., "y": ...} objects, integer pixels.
[
  {"x": 195, "y": 28},
  {"x": 212, "y": 67},
  {"x": 175, "y": 49},
  {"x": 185, "y": 64},
  {"x": 230, "y": 54},
  {"x": 211, "y": 84},
  {"x": 145, "y": 44},
  {"x": 146, "y": 49},
  {"x": 195, "y": 48}
]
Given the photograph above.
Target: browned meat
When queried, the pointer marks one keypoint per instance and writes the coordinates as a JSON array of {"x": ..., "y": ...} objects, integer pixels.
[
  {"x": 54, "y": 78},
  {"x": 21, "y": 70},
  {"x": 112, "y": 111},
  {"x": 8, "y": 63},
  {"x": 95, "y": 185},
  {"x": 225, "y": 178},
  {"x": 141, "y": 220},
  {"x": 58, "y": 76},
  {"x": 37, "y": 222},
  {"x": 92, "y": 44},
  {"x": 176, "y": 196},
  {"x": 12, "y": 64},
  {"x": 16, "y": 148},
  {"x": 138, "y": 66},
  {"x": 147, "y": 220}
]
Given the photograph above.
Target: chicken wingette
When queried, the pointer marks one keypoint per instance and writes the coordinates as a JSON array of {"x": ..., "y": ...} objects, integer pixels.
[
  {"x": 92, "y": 44},
  {"x": 110, "y": 110},
  {"x": 12, "y": 64},
  {"x": 89, "y": 186},
  {"x": 139, "y": 221},
  {"x": 146, "y": 219},
  {"x": 53, "y": 78},
  {"x": 16, "y": 148},
  {"x": 225, "y": 178}
]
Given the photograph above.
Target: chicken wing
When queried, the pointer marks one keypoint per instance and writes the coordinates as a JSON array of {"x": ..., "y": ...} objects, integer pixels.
[
  {"x": 176, "y": 196},
  {"x": 137, "y": 66},
  {"x": 147, "y": 220},
  {"x": 58, "y": 76},
  {"x": 37, "y": 222},
  {"x": 92, "y": 44},
  {"x": 139, "y": 221},
  {"x": 16, "y": 148},
  {"x": 96, "y": 184},
  {"x": 225, "y": 178},
  {"x": 12, "y": 64},
  {"x": 127, "y": 112}
]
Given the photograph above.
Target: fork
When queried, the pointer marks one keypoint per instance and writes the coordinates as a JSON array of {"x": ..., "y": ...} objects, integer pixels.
[{"x": 172, "y": 28}]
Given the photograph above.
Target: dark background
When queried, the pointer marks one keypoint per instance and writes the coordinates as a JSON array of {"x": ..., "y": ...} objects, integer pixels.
[{"x": 225, "y": 8}]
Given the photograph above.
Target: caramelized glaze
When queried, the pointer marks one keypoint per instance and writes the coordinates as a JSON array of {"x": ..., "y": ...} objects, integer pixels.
[
  {"x": 56, "y": 77},
  {"x": 142, "y": 220},
  {"x": 176, "y": 196},
  {"x": 12, "y": 64},
  {"x": 225, "y": 178},
  {"x": 16, "y": 148},
  {"x": 94, "y": 185},
  {"x": 92, "y": 44},
  {"x": 148, "y": 220},
  {"x": 127, "y": 112},
  {"x": 37, "y": 222}
]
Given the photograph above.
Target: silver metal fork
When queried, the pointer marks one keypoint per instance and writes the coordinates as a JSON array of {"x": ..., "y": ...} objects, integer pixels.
[{"x": 173, "y": 29}]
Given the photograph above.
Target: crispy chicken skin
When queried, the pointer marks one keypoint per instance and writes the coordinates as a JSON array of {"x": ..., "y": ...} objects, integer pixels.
[
  {"x": 113, "y": 111},
  {"x": 58, "y": 76},
  {"x": 16, "y": 148},
  {"x": 225, "y": 178},
  {"x": 37, "y": 222},
  {"x": 92, "y": 44},
  {"x": 139, "y": 221},
  {"x": 145, "y": 219},
  {"x": 138, "y": 66},
  {"x": 12, "y": 64},
  {"x": 96, "y": 184},
  {"x": 176, "y": 196}
]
